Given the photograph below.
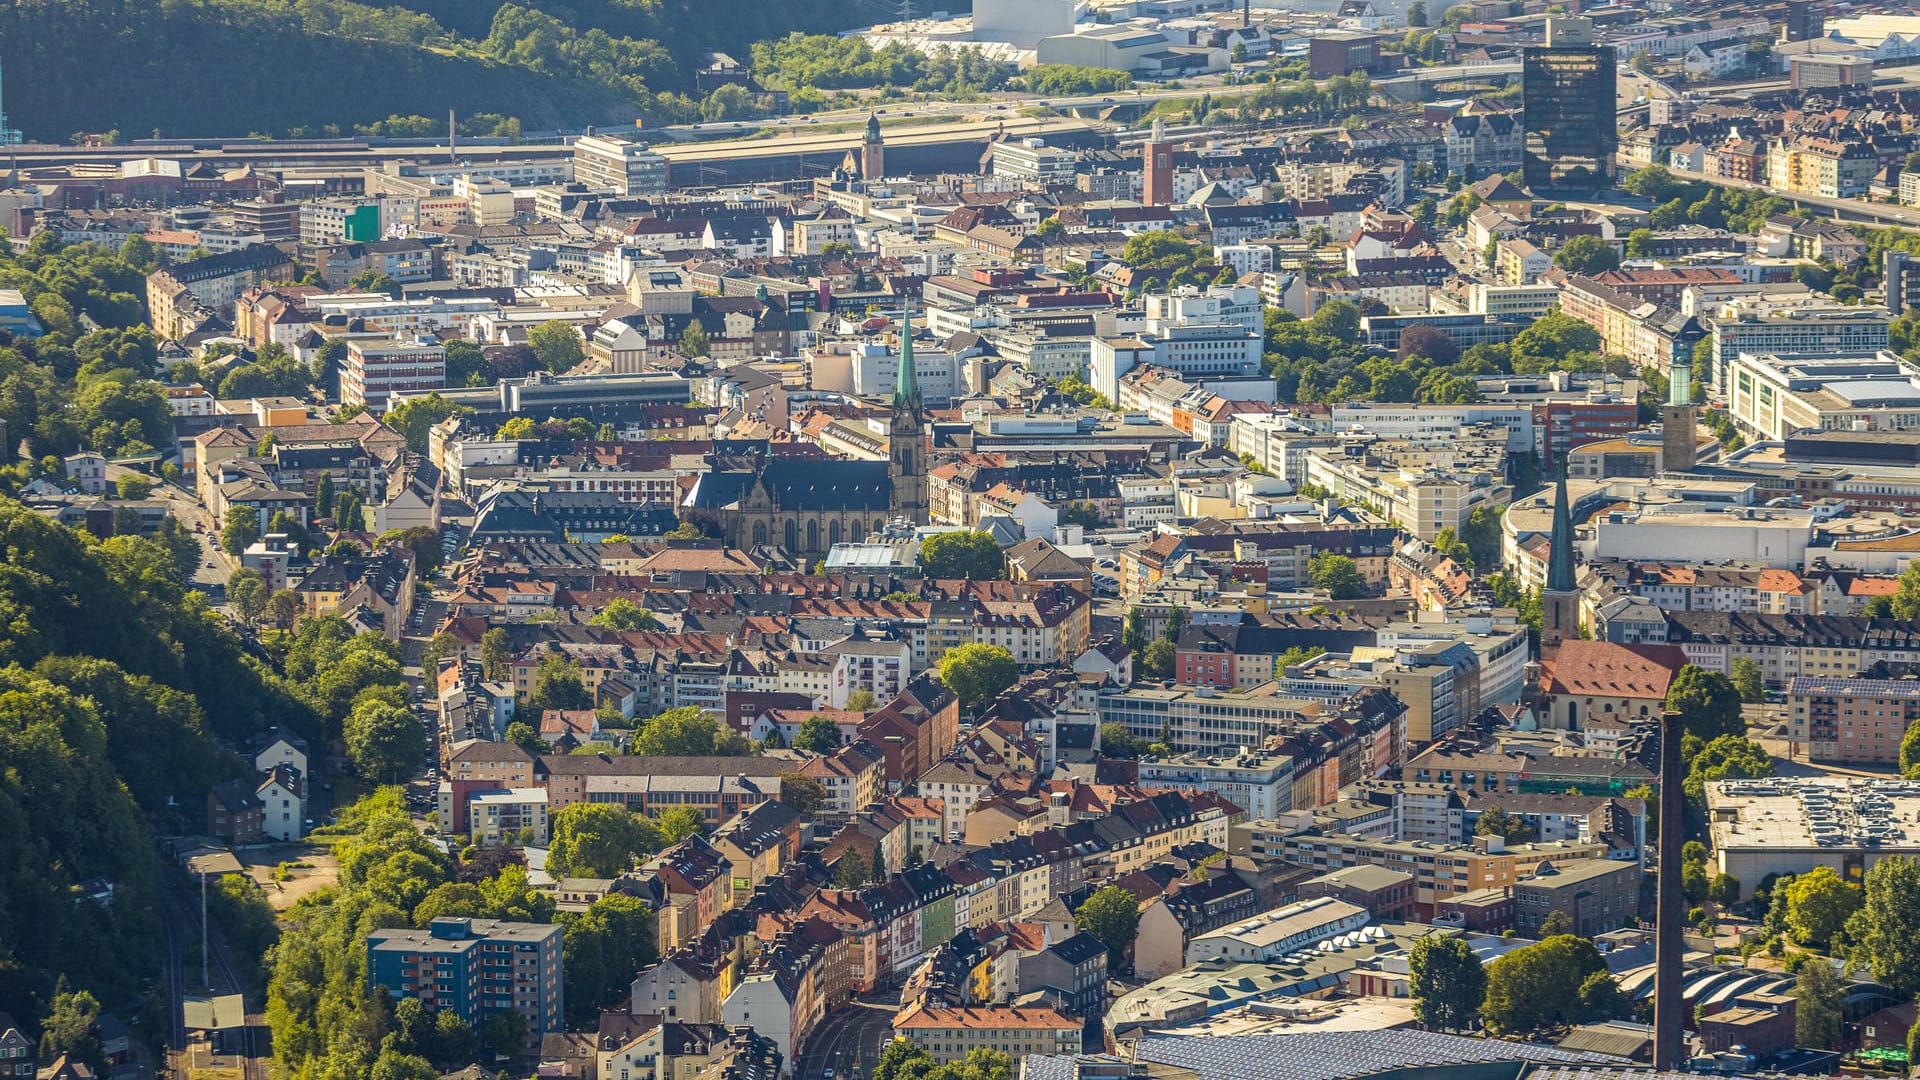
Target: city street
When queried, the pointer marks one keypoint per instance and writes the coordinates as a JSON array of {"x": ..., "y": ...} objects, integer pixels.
[{"x": 849, "y": 1040}]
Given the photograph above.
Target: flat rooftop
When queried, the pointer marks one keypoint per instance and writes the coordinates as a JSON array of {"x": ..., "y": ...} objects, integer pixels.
[{"x": 1815, "y": 813}]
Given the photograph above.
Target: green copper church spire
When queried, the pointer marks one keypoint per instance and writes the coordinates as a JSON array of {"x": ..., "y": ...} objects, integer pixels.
[
  {"x": 1560, "y": 543},
  {"x": 906, "y": 383}
]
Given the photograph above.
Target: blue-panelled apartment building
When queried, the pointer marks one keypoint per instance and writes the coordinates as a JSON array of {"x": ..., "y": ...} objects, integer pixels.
[{"x": 474, "y": 967}]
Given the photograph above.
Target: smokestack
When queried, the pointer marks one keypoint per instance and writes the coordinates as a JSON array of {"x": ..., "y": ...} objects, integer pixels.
[
  {"x": 1246, "y": 13},
  {"x": 1669, "y": 908}
]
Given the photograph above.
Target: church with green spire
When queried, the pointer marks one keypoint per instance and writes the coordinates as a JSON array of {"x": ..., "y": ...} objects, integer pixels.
[
  {"x": 757, "y": 495},
  {"x": 1560, "y": 600},
  {"x": 907, "y": 434}
]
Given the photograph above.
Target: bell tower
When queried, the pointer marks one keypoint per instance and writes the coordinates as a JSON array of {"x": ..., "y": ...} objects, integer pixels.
[
  {"x": 907, "y": 435},
  {"x": 873, "y": 151}
]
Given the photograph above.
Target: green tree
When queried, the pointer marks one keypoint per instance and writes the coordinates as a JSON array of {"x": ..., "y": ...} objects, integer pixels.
[
  {"x": 1747, "y": 680},
  {"x": 1586, "y": 255},
  {"x": 602, "y": 948},
  {"x": 1555, "y": 924},
  {"x": 1495, "y": 821},
  {"x": 1537, "y": 988},
  {"x": 977, "y": 673},
  {"x": 677, "y": 823},
  {"x": 437, "y": 648},
  {"x": 323, "y": 495},
  {"x": 557, "y": 685},
  {"x": 1337, "y": 319},
  {"x": 415, "y": 418},
  {"x": 1708, "y": 703},
  {"x": 283, "y": 609},
  {"x": 1112, "y": 915},
  {"x": 1601, "y": 999},
  {"x": 1337, "y": 574},
  {"x": 557, "y": 344},
  {"x": 1905, "y": 603},
  {"x": 391, "y": 1065},
  {"x": 1640, "y": 244},
  {"x": 1160, "y": 251},
  {"x": 241, "y": 528},
  {"x": 1910, "y": 752},
  {"x": 1156, "y": 660},
  {"x": 1447, "y": 982},
  {"x": 72, "y": 1027},
  {"x": 374, "y": 281},
  {"x": 851, "y": 870},
  {"x": 818, "y": 735},
  {"x": 247, "y": 591},
  {"x": 688, "y": 732},
  {"x": 598, "y": 840},
  {"x": 1176, "y": 624},
  {"x": 693, "y": 340},
  {"x": 1886, "y": 929},
  {"x": 802, "y": 794},
  {"x": 968, "y": 556},
  {"x": 1417, "y": 13},
  {"x": 1117, "y": 742},
  {"x": 496, "y": 654},
  {"x": 1819, "y": 994},
  {"x": 862, "y": 701},
  {"x": 1724, "y": 889},
  {"x": 1819, "y": 903},
  {"x": 454, "y": 1042},
  {"x": 1728, "y": 757},
  {"x": 466, "y": 363},
  {"x": 133, "y": 485},
  {"x": 526, "y": 737},
  {"x": 384, "y": 741},
  {"x": 622, "y": 614},
  {"x": 273, "y": 374},
  {"x": 1297, "y": 654}
]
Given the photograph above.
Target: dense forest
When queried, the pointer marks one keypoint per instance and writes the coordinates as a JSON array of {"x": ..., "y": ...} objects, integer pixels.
[
  {"x": 115, "y": 680},
  {"x": 325, "y": 67},
  {"x": 118, "y": 685}
]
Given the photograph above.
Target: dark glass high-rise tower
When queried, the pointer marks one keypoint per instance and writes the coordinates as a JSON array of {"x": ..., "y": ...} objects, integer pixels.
[{"x": 1570, "y": 109}]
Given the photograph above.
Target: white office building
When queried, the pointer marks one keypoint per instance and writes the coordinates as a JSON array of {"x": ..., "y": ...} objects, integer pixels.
[
  {"x": 1033, "y": 160},
  {"x": 619, "y": 164}
]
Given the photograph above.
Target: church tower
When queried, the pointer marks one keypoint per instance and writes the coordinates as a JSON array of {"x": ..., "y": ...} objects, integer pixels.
[
  {"x": 907, "y": 435},
  {"x": 873, "y": 151},
  {"x": 1560, "y": 600}
]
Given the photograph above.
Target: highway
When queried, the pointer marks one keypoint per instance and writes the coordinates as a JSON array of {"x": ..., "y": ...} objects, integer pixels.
[
  {"x": 1007, "y": 108},
  {"x": 692, "y": 143}
]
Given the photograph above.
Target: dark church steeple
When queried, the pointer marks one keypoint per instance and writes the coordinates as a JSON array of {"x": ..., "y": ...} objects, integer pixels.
[
  {"x": 1560, "y": 556},
  {"x": 1560, "y": 600},
  {"x": 907, "y": 434}
]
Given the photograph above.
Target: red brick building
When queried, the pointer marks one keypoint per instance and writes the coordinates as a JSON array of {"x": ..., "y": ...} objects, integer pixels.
[{"x": 1565, "y": 425}]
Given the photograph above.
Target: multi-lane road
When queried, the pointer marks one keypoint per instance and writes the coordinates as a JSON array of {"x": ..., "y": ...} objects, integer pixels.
[{"x": 849, "y": 1040}]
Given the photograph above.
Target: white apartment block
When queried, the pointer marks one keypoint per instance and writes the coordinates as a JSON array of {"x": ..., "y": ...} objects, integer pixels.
[{"x": 375, "y": 370}]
